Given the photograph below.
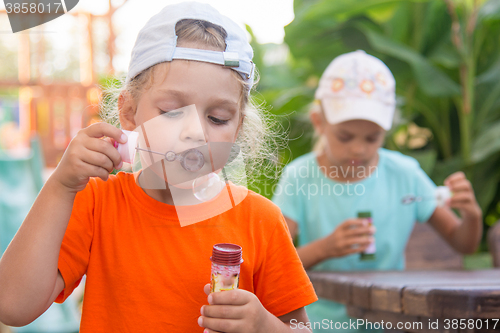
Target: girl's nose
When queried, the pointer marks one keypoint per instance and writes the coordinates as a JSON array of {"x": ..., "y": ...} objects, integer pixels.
[
  {"x": 358, "y": 148},
  {"x": 192, "y": 129}
]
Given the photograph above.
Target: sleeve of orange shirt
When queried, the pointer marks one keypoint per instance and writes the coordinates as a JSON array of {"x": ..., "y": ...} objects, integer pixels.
[
  {"x": 75, "y": 248},
  {"x": 281, "y": 283}
]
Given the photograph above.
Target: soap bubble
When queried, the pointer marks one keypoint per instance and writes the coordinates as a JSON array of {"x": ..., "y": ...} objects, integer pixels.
[{"x": 207, "y": 187}]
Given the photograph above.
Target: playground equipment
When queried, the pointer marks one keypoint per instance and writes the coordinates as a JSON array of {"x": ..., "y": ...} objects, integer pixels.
[{"x": 55, "y": 109}]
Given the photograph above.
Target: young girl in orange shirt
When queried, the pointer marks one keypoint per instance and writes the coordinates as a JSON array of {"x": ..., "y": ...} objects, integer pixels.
[{"x": 191, "y": 70}]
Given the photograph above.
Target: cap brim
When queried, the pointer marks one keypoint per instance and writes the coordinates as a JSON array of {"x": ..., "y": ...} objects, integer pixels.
[{"x": 338, "y": 110}]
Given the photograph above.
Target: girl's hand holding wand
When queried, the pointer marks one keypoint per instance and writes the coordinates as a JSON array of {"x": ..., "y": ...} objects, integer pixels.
[{"x": 89, "y": 156}]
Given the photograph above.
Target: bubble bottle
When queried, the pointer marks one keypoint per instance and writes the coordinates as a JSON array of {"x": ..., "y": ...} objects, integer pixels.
[
  {"x": 226, "y": 260},
  {"x": 369, "y": 253}
]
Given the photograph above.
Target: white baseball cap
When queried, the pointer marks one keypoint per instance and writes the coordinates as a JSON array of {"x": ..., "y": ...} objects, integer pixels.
[
  {"x": 157, "y": 41},
  {"x": 357, "y": 85}
]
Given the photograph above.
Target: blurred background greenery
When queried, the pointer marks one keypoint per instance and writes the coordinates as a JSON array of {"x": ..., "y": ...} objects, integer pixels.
[{"x": 445, "y": 56}]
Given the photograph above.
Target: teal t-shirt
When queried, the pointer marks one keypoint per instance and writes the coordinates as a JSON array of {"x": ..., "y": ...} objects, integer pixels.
[{"x": 319, "y": 204}]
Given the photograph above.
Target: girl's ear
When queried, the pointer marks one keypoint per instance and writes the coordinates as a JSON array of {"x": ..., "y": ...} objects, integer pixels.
[
  {"x": 317, "y": 119},
  {"x": 126, "y": 111}
]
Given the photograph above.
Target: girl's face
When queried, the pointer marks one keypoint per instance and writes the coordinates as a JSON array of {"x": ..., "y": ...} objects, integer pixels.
[
  {"x": 212, "y": 89},
  {"x": 351, "y": 143},
  {"x": 193, "y": 104}
]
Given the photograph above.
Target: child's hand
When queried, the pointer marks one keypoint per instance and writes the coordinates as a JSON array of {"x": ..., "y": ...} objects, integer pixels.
[
  {"x": 234, "y": 311},
  {"x": 89, "y": 156},
  {"x": 463, "y": 197},
  {"x": 352, "y": 236}
]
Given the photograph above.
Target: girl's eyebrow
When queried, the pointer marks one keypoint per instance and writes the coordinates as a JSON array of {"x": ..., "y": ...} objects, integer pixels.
[
  {"x": 182, "y": 95},
  {"x": 175, "y": 93},
  {"x": 378, "y": 132},
  {"x": 224, "y": 101},
  {"x": 344, "y": 132}
]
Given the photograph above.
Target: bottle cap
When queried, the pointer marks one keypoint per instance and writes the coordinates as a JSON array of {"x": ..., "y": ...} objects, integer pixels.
[
  {"x": 364, "y": 214},
  {"x": 226, "y": 254}
]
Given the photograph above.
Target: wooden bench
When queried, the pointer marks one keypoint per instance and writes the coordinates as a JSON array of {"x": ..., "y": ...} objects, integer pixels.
[{"x": 426, "y": 250}]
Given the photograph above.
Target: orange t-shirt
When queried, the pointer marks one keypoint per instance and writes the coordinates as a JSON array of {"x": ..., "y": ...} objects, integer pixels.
[{"x": 146, "y": 273}]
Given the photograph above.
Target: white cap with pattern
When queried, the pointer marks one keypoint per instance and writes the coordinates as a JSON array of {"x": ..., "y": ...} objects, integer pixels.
[
  {"x": 157, "y": 41},
  {"x": 357, "y": 85}
]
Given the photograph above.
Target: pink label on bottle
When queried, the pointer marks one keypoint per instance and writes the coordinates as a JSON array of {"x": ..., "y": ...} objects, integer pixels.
[
  {"x": 224, "y": 277},
  {"x": 371, "y": 248}
]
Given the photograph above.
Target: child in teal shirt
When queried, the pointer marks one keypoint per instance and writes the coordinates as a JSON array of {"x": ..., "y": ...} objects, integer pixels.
[{"x": 321, "y": 193}]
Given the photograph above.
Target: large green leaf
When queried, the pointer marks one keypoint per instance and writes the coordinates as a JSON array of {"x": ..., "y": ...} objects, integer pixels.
[
  {"x": 486, "y": 180},
  {"x": 487, "y": 143},
  {"x": 434, "y": 25},
  {"x": 343, "y": 9},
  {"x": 443, "y": 169},
  {"x": 287, "y": 98},
  {"x": 426, "y": 159},
  {"x": 490, "y": 75},
  {"x": 321, "y": 31},
  {"x": 431, "y": 80},
  {"x": 490, "y": 11},
  {"x": 397, "y": 28},
  {"x": 445, "y": 55},
  {"x": 488, "y": 105}
]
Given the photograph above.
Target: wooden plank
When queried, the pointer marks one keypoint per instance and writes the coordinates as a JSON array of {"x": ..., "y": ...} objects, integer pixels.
[
  {"x": 332, "y": 287},
  {"x": 383, "y": 291},
  {"x": 466, "y": 301},
  {"x": 360, "y": 292},
  {"x": 386, "y": 298},
  {"x": 338, "y": 287},
  {"x": 387, "y": 295},
  {"x": 427, "y": 250}
]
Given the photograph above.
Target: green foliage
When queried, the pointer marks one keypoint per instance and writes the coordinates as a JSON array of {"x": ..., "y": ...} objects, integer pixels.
[{"x": 445, "y": 56}]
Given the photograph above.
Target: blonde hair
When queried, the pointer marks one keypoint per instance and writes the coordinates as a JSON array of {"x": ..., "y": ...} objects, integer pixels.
[{"x": 258, "y": 146}]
